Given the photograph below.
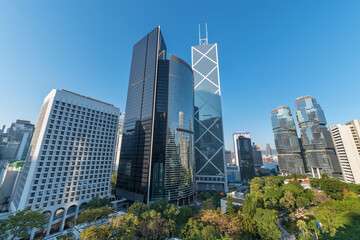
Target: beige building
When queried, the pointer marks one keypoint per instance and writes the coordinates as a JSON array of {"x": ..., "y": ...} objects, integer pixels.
[{"x": 346, "y": 141}]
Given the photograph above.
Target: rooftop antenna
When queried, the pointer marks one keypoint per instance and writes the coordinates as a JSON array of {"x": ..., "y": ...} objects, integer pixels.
[{"x": 203, "y": 41}]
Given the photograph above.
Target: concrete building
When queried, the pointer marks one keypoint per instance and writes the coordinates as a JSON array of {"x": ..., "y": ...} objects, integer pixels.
[
  {"x": 70, "y": 158},
  {"x": 346, "y": 140},
  {"x": 7, "y": 184}
]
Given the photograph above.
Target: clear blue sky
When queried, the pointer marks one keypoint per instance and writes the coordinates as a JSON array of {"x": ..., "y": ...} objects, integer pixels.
[{"x": 270, "y": 53}]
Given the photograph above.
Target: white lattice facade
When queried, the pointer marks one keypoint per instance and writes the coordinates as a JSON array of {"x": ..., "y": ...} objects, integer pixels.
[{"x": 209, "y": 140}]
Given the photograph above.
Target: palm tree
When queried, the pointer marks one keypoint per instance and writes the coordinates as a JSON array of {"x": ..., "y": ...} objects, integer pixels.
[
  {"x": 301, "y": 224},
  {"x": 314, "y": 228}
]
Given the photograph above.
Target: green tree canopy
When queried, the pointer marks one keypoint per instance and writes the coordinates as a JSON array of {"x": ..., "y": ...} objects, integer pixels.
[
  {"x": 20, "y": 224},
  {"x": 138, "y": 208},
  {"x": 94, "y": 214},
  {"x": 266, "y": 220}
]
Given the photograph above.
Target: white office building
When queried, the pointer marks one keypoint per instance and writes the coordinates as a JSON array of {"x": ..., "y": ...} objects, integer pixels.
[
  {"x": 70, "y": 158},
  {"x": 347, "y": 146}
]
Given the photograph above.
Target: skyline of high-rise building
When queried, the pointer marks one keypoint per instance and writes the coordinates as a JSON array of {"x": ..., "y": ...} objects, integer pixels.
[
  {"x": 257, "y": 156},
  {"x": 316, "y": 139},
  {"x": 347, "y": 146},
  {"x": 157, "y": 152},
  {"x": 244, "y": 155},
  {"x": 287, "y": 142},
  {"x": 70, "y": 158},
  {"x": 209, "y": 136},
  {"x": 268, "y": 150},
  {"x": 14, "y": 143}
]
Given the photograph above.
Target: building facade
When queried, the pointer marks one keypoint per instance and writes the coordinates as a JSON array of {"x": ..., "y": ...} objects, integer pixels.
[
  {"x": 118, "y": 142},
  {"x": 209, "y": 137},
  {"x": 268, "y": 150},
  {"x": 287, "y": 142},
  {"x": 228, "y": 157},
  {"x": 16, "y": 141},
  {"x": 157, "y": 153},
  {"x": 258, "y": 163},
  {"x": 70, "y": 158},
  {"x": 316, "y": 139},
  {"x": 244, "y": 156},
  {"x": 347, "y": 146}
]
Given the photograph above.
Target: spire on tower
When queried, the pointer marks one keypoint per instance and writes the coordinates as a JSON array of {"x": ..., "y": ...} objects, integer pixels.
[{"x": 203, "y": 41}]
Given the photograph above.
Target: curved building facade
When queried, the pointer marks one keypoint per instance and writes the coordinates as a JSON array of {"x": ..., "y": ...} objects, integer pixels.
[
  {"x": 179, "y": 155},
  {"x": 157, "y": 153},
  {"x": 316, "y": 138},
  {"x": 287, "y": 141}
]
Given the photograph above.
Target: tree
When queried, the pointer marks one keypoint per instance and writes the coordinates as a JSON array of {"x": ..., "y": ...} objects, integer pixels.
[
  {"x": 113, "y": 181},
  {"x": 301, "y": 224},
  {"x": 185, "y": 213},
  {"x": 98, "y": 202},
  {"x": 208, "y": 204},
  {"x": 250, "y": 205},
  {"x": 288, "y": 200},
  {"x": 125, "y": 226},
  {"x": 226, "y": 224},
  {"x": 333, "y": 187},
  {"x": 138, "y": 208},
  {"x": 320, "y": 197},
  {"x": 92, "y": 215},
  {"x": 21, "y": 223},
  {"x": 229, "y": 205},
  {"x": 312, "y": 226},
  {"x": 266, "y": 220},
  {"x": 192, "y": 230},
  {"x": 96, "y": 233},
  {"x": 256, "y": 187},
  {"x": 154, "y": 226}
]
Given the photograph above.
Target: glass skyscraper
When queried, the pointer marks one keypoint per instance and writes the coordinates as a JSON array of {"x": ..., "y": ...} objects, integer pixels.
[
  {"x": 316, "y": 138},
  {"x": 209, "y": 140},
  {"x": 157, "y": 152},
  {"x": 244, "y": 155},
  {"x": 287, "y": 142}
]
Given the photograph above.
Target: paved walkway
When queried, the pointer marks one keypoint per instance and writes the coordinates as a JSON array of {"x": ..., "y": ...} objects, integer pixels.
[{"x": 285, "y": 234}]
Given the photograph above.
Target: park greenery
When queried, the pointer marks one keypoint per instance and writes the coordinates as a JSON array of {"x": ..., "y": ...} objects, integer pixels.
[{"x": 330, "y": 209}]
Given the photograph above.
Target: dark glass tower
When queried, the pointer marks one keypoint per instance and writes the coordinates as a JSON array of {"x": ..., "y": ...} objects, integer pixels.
[
  {"x": 287, "y": 142},
  {"x": 244, "y": 155},
  {"x": 156, "y": 159},
  {"x": 316, "y": 138}
]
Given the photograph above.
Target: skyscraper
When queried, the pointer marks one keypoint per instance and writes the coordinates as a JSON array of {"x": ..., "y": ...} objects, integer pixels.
[
  {"x": 118, "y": 142},
  {"x": 316, "y": 139},
  {"x": 244, "y": 155},
  {"x": 287, "y": 142},
  {"x": 157, "y": 153},
  {"x": 258, "y": 163},
  {"x": 70, "y": 158},
  {"x": 209, "y": 140},
  {"x": 268, "y": 150},
  {"x": 18, "y": 138},
  {"x": 346, "y": 141}
]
